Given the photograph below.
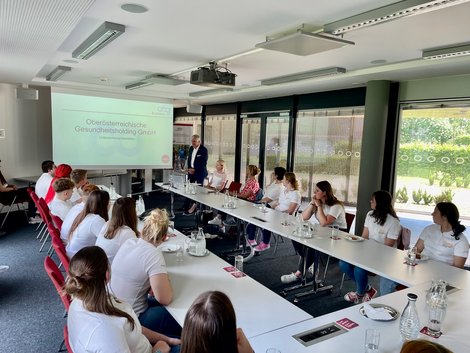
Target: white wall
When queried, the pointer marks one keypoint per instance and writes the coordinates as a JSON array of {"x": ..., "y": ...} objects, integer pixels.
[
  {"x": 28, "y": 132},
  {"x": 435, "y": 88}
]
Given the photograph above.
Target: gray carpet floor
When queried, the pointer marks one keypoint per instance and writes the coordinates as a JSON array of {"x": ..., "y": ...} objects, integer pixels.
[{"x": 31, "y": 313}]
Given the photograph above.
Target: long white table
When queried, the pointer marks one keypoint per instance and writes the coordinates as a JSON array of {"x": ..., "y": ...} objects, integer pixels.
[
  {"x": 252, "y": 301},
  {"x": 374, "y": 257}
]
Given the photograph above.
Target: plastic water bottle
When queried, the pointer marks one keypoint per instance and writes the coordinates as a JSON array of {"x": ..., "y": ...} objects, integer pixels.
[
  {"x": 200, "y": 243},
  {"x": 409, "y": 321}
]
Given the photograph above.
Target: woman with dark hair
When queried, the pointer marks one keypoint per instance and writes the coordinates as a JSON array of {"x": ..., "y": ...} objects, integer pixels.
[
  {"x": 210, "y": 326},
  {"x": 121, "y": 226},
  {"x": 423, "y": 346},
  {"x": 138, "y": 268},
  {"x": 444, "y": 240},
  {"x": 383, "y": 226},
  {"x": 288, "y": 202},
  {"x": 324, "y": 209},
  {"x": 251, "y": 186},
  {"x": 87, "y": 225},
  {"x": 99, "y": 322}
]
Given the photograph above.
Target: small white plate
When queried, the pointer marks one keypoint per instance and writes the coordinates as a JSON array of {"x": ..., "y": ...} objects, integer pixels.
[
  {"x": 193, "y": 254},
  {"x": 169, "y": 248},
  {"x": 393, "y": 312},
  {"x": 353, "y": 238}
]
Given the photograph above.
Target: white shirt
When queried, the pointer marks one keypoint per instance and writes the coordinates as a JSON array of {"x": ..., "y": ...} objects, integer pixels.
[
  {"x": 91, "y": 332},
  {"x": 68, "y": 221},
  {"x": 60, "y": 208},
  {"x": 135, "y": 262},
  {"x": 391, "y": 228},
  {"x": 85, "y": 234},
  {"x": 193, "y": 156},
  {"x": 111, "y": 246},
  {"x": 273, "y": 191},
  {"x": 286, "y": 197},
  {"x": 42, "y": 185},
  {"x": 217, "y": 179},
  {"x": 336, "y": 211},
  {"x": 75, "y": 196},
  {"x": 443, "y": 246}
]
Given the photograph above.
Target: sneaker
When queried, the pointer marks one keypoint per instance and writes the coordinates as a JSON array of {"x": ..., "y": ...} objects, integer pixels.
[
  {"x": 289, "y": 278},
  {"x": 34, "y": 220},
  {"x": 4, "y": 268},
  {"x": 251, "y": 242},
  {"x": 216, "y": 221},
  {"x": 371, "y": 293},
  {"x": 353, "y": 297},
  {"x": 262, "y": 246}
]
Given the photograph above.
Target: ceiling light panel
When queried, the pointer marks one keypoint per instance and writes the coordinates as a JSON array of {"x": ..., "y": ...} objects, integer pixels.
[
  {"x": 303, "y": 76},
  {"x": 388, "y": 13},
  {"x": 55, "y": 74},
  {"x": 447, "y": 52},
  {"x": 210, "y": 92},
  {"x": 103, "y": 35}
]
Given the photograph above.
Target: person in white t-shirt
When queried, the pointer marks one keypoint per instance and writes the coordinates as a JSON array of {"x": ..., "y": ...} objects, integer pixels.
[
  {"x": 383, "y": 226},
  {"x": 79, "y": 177},
  {"x": 44, "y": 181},
  {"x": 87, "y": 225},
  {"x": 99, "y": 322},
  {"x": 219, "y": 177},
  {"x": 61, "y": 204},
  {"x": 444, "y": 240},
  {"x": 324, "y": 209},
  {"x": 121, "y": 226},
  {"x": 74, "y": 211},
  {"x": 138, "y": 267}
]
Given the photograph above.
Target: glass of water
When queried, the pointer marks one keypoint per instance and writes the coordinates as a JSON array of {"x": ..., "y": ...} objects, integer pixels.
[{"x": 372, "y": 340}]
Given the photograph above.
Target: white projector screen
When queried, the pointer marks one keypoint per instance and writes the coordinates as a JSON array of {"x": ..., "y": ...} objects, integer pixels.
[{"x": 108, "y": 133}]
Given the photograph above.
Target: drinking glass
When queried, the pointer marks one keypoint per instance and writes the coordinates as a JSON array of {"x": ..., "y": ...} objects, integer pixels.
[
  {"x": 411, "y": 255},
  {"x": 239, "y": 263},
  {"x": 372, "y": 340},
  {"x": 334, "y": 230},
  {"x": 436, "y": 316},
  {"x": 180, "y": 253}
]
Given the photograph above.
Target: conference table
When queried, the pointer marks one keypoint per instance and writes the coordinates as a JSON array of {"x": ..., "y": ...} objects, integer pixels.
[{"x": 369, "y": 255}]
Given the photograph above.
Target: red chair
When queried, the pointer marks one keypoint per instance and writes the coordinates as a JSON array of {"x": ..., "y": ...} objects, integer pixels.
[
  {"x": 57, "y": 279},
  {"x": 234, "y": 186},
  {"x": 46, "y": 217},
  {"x": 57, "y": 221},
  {"x": 60, "y": 251}
]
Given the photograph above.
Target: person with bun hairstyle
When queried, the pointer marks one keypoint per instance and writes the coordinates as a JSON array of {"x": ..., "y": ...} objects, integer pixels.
[
  {"x": 444, "y": 240},
  {"x": 87, "y": 225},
  {"x": 139, "y": 267},
  {"x": 251, "y": 184},
  {"x": 210, "y": 326},
  {"x": 99, "y": 322},
  {"x": 121, "y": 226},
  {"x": 423, "y": 346}
]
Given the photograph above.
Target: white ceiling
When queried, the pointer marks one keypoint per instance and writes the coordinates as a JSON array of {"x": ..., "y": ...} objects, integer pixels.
[{"x": 180, "y": 35}]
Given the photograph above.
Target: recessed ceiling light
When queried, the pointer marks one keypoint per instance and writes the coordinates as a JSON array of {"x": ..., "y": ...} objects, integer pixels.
[
  {"x": 70, "y": 61},
  {"x": 134, "y": 8},
  {"x": 378, "y": 61}
]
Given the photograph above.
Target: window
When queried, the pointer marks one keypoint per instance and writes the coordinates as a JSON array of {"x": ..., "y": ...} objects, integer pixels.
[
  {"x": 328, "y": 147},
  {"x": 219, "y": 139},
  {"x": 433, "y": 156}
]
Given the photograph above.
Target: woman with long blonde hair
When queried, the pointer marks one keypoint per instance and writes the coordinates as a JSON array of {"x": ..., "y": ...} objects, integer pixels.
[{"x": 138, "y": 267}]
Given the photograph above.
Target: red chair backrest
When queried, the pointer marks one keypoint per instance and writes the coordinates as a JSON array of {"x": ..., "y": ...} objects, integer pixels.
[
  {"x": 59, "y": 248},
  {"x": 57, "y": 221},
  {"x": 66, "y": 339},
  {"x": 349, "y": 220},
  {"x": 44, "y": 210},
  {"x": 33, "y": 195},
  {"x": 57, "y": 279}
]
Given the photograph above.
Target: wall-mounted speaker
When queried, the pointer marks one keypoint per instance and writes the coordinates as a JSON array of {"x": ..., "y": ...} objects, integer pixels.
[
  {"x": 194, "y": 108},
  {"x": 27, "y": 93}
]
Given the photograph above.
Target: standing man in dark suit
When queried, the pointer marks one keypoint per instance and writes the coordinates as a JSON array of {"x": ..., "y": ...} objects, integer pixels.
[{"x": 197, "y": 167}]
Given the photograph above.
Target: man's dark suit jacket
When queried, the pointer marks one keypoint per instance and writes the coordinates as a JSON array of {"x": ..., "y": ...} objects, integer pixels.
[{"x": 200, "y": 164}]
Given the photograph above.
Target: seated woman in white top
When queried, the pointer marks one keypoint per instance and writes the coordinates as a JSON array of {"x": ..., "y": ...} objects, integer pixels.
[
  {"x": 138, "y": 267},
  {"x": 210, "y": 326},
  {"x": 61, "y": 203},
  {"x": 96, "y": 320},
  {"x": 383, "y": 226},
  {"x": 121, "y": 226},
  {"x": 444, "y": 240},
  {"x": 324, "y": 209},
  {"x": 219, "y": 177},
  {"x": 87, "y": 225},
  {"x": 288, "y": 202},
  {"x": 74, "y": 211}
]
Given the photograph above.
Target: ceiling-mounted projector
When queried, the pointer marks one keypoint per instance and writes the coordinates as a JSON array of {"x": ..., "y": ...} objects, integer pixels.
[{"x": 212, "y": 76}]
